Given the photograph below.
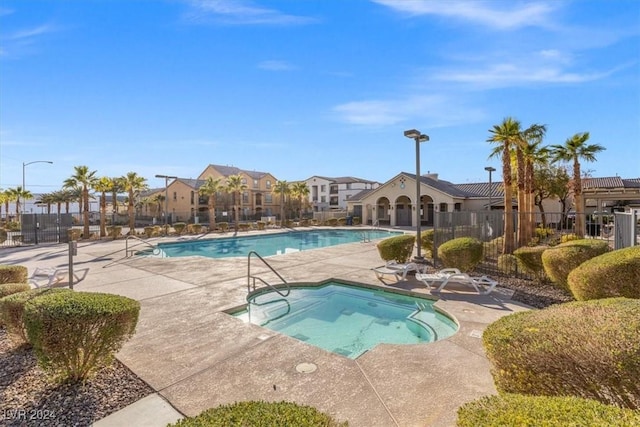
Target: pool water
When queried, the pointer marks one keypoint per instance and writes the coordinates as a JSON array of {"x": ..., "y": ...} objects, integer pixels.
[
  {"x": 268, "y": 244},
  {"x": 348, "y": 320}
]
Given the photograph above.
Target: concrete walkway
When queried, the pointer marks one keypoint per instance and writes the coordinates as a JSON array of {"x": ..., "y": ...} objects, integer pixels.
[{"x": 196, "y": 356}]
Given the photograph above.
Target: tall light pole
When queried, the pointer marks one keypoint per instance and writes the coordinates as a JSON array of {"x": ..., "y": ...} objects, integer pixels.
[
  {"x": 490, "y": 169},
  {"x": 24, "y": 165},
  {"x": 418, "y": 138},
  {"x": 166, "y": 196}
]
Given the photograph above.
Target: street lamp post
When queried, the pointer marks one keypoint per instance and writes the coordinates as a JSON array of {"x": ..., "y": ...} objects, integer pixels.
[
  {"x": 418, "y": 138},
  {"x": 24, "y": 165},
  {"x": 490, "y": 169},
  {"x": 166, "y": 196}
]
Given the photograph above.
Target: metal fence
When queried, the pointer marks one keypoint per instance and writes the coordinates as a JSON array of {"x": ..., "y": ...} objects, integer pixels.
[{"x": 488, "y": 227}]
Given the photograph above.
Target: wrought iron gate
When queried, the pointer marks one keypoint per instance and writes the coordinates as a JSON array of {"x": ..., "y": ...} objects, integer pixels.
[{"x": 45, "y": 228}]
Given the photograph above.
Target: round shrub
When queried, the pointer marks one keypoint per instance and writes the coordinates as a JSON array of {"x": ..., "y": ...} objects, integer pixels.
[
  {"x": 179, "y": 227},
  {"x": 261, "y": 225},
  {"x": 614, "y": 274},
  {"x": 396, "y": 248},
  {"x": 530, "y": 258},
  {"x": 223, "y": 226},
  {"x": 260, "y": 413},
  {"x": 7, "y": 289},
  {"x": 558, "y": 261},
  {"x": 149, "y": 231},
  {"x": 331, "y": 222},
  {"x": 12, "y": 311},
  {"x": 508, "y": 263},
  {"x": 195, "y": 228},
  {"x": 76, "y": 333},
  {"x": 587, "y": 349},
  {"x": 13, "y": 274},
  {"x": 3, "y": 235},
  {"x": 114, "y": 231},
  {"x": 549, "y": 411},
  {"x": 569, "y": 238},
  {"x": 464, "y": 253}
]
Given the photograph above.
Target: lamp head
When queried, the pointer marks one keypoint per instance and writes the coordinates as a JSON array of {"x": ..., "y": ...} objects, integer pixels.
[
  {"x": 423, "y": 138},
  {"x": 412, "y": 133},
  {"x": 490, "y": 169}
]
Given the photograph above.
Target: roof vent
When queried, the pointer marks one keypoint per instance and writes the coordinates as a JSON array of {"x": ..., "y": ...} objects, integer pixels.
[{"x": 431, "y": 175}]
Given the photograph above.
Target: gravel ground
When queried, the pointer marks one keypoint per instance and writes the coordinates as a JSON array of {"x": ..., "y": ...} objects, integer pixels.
[{"x": 28, "y": 397}]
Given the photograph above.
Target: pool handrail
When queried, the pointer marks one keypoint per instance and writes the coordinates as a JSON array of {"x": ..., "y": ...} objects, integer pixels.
[
  {"x": 128, "y": 253},
  {"x": 249, "y": 276}
]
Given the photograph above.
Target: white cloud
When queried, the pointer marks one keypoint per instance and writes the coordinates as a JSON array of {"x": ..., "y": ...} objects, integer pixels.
[
  {"x": 436, "y": 110},
  {"x": 31, "y": 32},
  {"x": 242, "y": 12},
  {"x": 275, "y": 65},
  {"x": 501, "y": 15}
]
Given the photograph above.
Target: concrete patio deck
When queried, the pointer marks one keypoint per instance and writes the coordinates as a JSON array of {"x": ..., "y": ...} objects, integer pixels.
[{"x": 196, "y": 356}]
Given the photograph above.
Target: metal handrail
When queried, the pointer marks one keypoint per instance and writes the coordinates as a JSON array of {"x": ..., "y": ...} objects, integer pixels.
[
  {"x": 137, "y": 238},
  {"x": 249, "y": 276}
]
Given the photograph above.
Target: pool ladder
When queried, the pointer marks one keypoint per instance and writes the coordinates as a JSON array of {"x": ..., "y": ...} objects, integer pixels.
[{"x": 251, "y": 280}]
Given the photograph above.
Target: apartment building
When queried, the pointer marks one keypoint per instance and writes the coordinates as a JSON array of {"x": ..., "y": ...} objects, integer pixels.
[{"x": 327, "y": 193}]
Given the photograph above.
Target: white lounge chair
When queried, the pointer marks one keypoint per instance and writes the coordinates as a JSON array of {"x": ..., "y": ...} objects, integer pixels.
[
  {"x": 483, "y": 285},
  {"x": 47, "y": 277},
  {"x": 396, "y": 269},
  {"x": 431, "y": 279}
]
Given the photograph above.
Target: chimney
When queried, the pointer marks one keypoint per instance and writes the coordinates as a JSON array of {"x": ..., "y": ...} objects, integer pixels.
[{"x": 433, "y": 176}]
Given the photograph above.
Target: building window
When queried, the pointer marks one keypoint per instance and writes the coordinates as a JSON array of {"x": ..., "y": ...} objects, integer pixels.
[
  {"x": 245, "y": 197},
  {"x": 323, "y": 199},
  {"x": 268, "y": 198},
  {"x": 457, "y": 207},
  {"x": 192, "y": 197},
  {"x": 443, "y": 207},
  {"x": 175, "y": 196},
  {"x": 323, "y": 188},
  {"x": 268, "y": 184},
  {"x": 255, "y": 183},
  {"x": 348, "y": 186},
  {"x": 244, "y": 181}
]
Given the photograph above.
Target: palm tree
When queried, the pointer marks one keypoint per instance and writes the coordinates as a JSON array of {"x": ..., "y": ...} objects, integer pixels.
[
  {"x": 282, "y": 189},
  {"x": 85, "y": 179},
  {"x": 531, "y": 152},
  {"x": 4, "y": 201},
  {"x": 47, "y": 199},
  {"x": 210, "y": 188},
  {"x": 300, "y": 190},
  {"x": 574, "y": 150},
  {"x": 117, "y": 186},
  {"x": 133, "y": 184},
  {"x": 103, "y": 186},
  {"x": 235, "y": 186},
  {"x": 506, "y": 135}
]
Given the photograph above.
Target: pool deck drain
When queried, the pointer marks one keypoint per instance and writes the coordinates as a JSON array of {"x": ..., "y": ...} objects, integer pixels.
[
  {"x": 306, "y": 368},
  {"x": 196, "y": 356}
]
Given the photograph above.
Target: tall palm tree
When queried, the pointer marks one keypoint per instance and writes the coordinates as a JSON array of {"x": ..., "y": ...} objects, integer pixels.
[
  {"x": 574, "y": 150},
  {"x": 47, "y": 199},
  {"x": 235, "y": 186},
  {"x": 4, "y": 201},
  {"x": 103, "y": 186},
  {"x": 282, "y": 189},
  {"x": 117, "y": 186},
  {"x": 85, "y": 179},
  {"x": 210, "y": 188},
  {"x": 133, "y": 184},
  {"x": 506, "y": 135},
  {"x": 17, "y": 194},
  {"x": 531, "y": 152},
  {"x": 300, "y": 191}
]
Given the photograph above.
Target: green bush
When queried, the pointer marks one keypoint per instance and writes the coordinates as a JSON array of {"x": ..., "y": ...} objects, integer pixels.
[
  {"x": 331, "y": 222},
  {"x": 12, "y": 311},
  {"x": 558, "y": 261},
  {"x": 261, "y": 225},
  {"x": 114, "y": 231},
  {"x": 304, "y": 223},
  {"x": 179, "y": 227},
  {"x": 508, "y": 264},
  {"x": 3, "y": 235},
  {"x": 614, "y": 274},
  {"x": 357, "y": 220},
  {"x": 260, "y": 413},
  {"x": 76, "y": 333},
  {"x": 243, "y": 226},
  {"x": 549, "y": 411},
  {"x": 569, "y": 238},
  {"x": 396, "y": 248},
  {"x": 586, "y": 349},
  {"x": 149, "y": 231},
  {"x": 464, "y": 253},
  {"x": 223, "y": 226},
  {"x": 7, "y": 289},
  {"x": 13, "y": 274},
  {"x": 342, "y": 221},
  {"x": 194, "y": 228},
  {"x": 530, "y": 258}
]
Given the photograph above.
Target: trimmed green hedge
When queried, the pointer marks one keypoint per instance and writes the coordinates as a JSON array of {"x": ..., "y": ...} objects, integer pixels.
[
  {"x": 549, "y": 411},
  {"x": 530, "y": 257},
  {"x": 396, "y": 248},
  {"x": 558, "y": 261},
  {"x": 12, "y": 311},
  {"x": 179, "y": 227},
  {"x": 13, "y": 274},
  {"x": 262, "y": 414},
  {"x": 614, "y": 274},
  {"x": 76, "y": 333},
  {"x": 586, "y": 349},
  {"x": 7, "y": 289},
  {"x": 463, "y": 253}
]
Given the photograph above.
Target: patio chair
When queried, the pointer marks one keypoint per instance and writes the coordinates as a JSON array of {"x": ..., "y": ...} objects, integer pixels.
[
  {"x": 483, "y": 285},
  {"x": 48, "y": 277},
  {"x": 398, "y": 270},
  {"x": 430, "y": 279}
]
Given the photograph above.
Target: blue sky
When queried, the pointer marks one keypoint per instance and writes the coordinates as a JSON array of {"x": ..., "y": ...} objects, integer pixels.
[{"x": 309, "y": 87}]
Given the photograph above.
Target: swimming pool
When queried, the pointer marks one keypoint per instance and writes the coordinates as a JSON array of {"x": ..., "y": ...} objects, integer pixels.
[
  {"x": 347, "y": 319},
  {"x": 268, "y": 244}
]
